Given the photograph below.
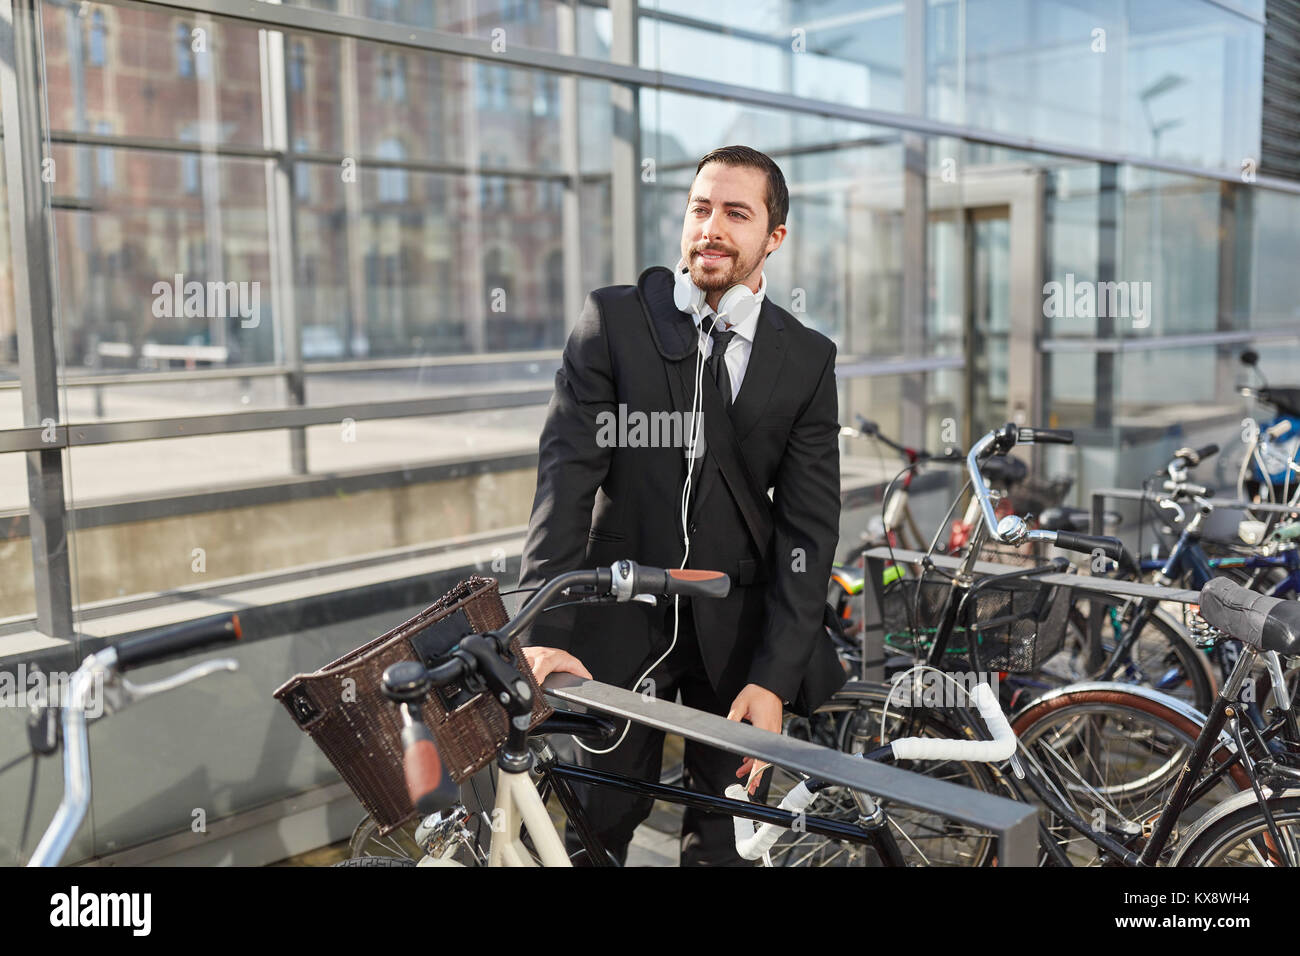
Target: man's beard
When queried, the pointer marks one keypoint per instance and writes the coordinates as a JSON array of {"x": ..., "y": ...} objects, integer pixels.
[{"x": 715, "y": 280}]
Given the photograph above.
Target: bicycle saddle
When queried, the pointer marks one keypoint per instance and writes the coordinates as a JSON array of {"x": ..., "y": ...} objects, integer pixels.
[
  {"x": 1074, "y": 519},
  {"x": 1269, "y": 623},
  {"x": 1004, "y": 470}
]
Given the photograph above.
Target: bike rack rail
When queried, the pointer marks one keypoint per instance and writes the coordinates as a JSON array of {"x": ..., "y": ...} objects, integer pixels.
[
  {"x": 1014, "y": 823},
  {"x": 1099, "y": 497},
  {"x": 1098, "y": 512}
]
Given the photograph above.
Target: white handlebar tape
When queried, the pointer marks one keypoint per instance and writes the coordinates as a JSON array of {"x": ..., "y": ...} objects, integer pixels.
[
  {"x": 752, "y": 843},
  {"x": 1001, "y": 747}
]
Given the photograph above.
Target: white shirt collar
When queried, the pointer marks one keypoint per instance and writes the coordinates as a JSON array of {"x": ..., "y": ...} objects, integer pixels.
[{"x": 745, "y": 330}]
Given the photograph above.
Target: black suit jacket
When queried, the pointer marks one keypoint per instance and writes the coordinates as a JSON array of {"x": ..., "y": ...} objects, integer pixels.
[{"x": 594, "y": 504}]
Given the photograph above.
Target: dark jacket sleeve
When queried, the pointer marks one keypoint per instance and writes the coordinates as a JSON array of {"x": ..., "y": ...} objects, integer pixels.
[
  {"x": 570, "y": 467},
  {"x": 806, "y": 530}
]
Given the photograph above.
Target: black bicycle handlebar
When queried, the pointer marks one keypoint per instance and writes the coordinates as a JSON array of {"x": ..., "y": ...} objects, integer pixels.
[
  {"x": 1044, "y": 436},
  {"x": 1112, "y": 548},
  {"x": 623, "y": 579},
  {"x": 870, "y": 429},
  {"x": 1191, "y": 457},
  {"x": 172, "y": 641}
]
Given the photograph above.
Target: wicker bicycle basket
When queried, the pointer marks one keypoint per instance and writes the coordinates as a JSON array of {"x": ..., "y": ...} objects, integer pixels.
[
  {"x": 343, "y": 709},
  {"x": 1013, "y": 625}
]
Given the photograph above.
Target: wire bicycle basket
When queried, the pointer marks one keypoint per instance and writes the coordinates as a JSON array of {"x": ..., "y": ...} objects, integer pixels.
[{"x": 1004, "y": 624}]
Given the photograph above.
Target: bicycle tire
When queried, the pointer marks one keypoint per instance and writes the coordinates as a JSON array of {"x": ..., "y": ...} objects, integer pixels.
[
  {"x": 1245, "y": 829},
  {"x": 366, "y": 843},
  {"x": 1140, "y": 726},
  {"x": 848, "y": 719}
]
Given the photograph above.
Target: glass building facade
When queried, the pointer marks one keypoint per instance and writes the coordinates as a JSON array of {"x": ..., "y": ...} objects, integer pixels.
[{"x": 283, "y": 287}]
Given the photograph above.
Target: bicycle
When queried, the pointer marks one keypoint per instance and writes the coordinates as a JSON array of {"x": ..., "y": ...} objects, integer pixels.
[
  {"x": 519, "y": 802},
  {"x": 1270, "y": 466},
  {"x": 104, "y": 672},
  {"x": 1075, "y": 722},
  {"x": 1187, "y": 761},
  {"x": 899, "y": 527},
  {"x": 1273, "y": 565}
]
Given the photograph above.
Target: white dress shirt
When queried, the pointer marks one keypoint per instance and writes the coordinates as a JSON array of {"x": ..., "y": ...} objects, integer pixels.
[{"x": 737, "y": 357}]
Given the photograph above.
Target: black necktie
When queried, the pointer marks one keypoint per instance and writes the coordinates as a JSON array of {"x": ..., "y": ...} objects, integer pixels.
[{"x": 721, "y": 340}]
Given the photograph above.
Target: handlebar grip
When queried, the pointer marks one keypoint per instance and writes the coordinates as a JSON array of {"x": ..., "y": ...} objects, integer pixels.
[
  {"x": 1045, "y": 436},
  {"x": 1000, "y": 748},
  {"x": 1112, "y": 548},
  {"x": 148, "y": 648},
  {"x": 429, "y": 788},
  {"x": 1237, "y": 611},
  {"x": 692, "y": 583},
  {"x": 1206, "y": 451}
]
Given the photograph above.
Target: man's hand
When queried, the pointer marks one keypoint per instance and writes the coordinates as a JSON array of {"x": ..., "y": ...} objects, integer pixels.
[
  {"x": 548, "y": 660},
  {"x": 763, "y": 709}
]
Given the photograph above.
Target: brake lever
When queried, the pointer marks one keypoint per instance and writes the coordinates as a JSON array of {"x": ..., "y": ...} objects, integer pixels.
[
  {"x": 43, "y": 724},
  {"x": 120, "y": 692},
  {"x": 650, "y": 599},
  {"x": 1170, "y": 504}
]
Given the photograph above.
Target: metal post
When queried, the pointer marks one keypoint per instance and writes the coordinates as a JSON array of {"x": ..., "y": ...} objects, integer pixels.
[
  {"x": 873, "y": 623},
  {"x": 279, "y": 199},
  {"x": 571, "y": 219},
  {"x": 626, "y": 154},
  {"x": 1107, "y": 256},
  {"x": 34, "y": 297},
  {"x": 1097, "y": 609},
  {"x": 353, "y": 217},
  {"x": 915, "y": 222}
]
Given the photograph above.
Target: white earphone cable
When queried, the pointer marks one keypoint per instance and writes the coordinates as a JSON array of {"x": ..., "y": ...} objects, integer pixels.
[{"x": 697, "y": 416}]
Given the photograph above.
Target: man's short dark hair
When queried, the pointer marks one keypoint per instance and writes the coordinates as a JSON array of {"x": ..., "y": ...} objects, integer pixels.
[{"x": 778, "y": 197}]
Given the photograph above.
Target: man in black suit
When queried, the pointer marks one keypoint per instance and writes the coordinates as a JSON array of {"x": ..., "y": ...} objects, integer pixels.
[{"x": 607, "y": 491}]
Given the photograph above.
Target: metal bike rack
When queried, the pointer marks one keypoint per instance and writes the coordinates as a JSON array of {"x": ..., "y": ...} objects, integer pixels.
[
  {"x": 1132, "y": 494},
  {"x": 1097, "y": 518},
  {"x": 1014, "y": 823}
]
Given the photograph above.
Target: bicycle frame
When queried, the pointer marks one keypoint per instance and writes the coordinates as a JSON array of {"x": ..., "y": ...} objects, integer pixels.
[
  {"x": 870, "y": 829},
  {"x": 521, "y": 803}
]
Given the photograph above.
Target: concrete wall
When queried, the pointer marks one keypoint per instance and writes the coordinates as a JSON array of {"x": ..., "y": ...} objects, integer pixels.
[{"x": 158, "y": 554}]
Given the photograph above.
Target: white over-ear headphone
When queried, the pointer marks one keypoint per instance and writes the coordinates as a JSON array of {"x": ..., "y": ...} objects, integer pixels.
[{"x": 736, "y": 305}]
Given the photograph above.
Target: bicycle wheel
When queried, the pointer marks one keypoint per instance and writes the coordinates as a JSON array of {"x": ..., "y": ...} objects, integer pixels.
[
  {"x": 366, "y": 842},
  {"x": 1242, "y": 836},
  {"x": 448, "y": 833},
  {"x": 1112, "y": 755},
  {"x": 853, "y": 720},
  {"x": 1162, "y": 658}
]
